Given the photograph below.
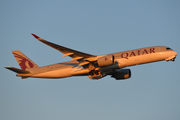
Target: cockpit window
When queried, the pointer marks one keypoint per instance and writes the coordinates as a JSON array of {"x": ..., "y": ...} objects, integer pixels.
[{"x": 168, "y": 49}]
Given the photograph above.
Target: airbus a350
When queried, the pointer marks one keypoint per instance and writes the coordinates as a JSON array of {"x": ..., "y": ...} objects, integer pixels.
[{"x": 95, "y": 67}]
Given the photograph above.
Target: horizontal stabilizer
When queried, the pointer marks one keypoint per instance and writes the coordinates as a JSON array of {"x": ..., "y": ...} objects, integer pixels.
[{"x": 17, "y": 70}]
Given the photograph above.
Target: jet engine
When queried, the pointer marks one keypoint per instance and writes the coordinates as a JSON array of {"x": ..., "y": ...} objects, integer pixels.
[
  {"x": 105, "y": 60},
  {"x": 122, "y": 74}
]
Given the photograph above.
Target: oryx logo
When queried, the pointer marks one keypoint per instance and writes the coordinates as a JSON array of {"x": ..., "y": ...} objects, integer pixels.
[{"x": 23, "y": 61}]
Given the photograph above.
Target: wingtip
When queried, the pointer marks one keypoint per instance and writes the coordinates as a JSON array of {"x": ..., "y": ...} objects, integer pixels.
[{"x": 37, "y": 37}]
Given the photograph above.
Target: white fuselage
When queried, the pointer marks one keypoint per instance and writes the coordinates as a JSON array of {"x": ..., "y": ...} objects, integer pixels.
[{"x": 123, "y": 59}]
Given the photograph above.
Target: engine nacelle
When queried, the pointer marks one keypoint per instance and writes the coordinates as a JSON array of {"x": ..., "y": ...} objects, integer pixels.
[
  {"x": 122, "y": 74},
  {"x": 105, "y": 60}
]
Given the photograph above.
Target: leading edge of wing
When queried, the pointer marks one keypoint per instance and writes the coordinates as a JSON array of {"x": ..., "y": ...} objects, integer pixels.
[{"x": 66, "y": 51}]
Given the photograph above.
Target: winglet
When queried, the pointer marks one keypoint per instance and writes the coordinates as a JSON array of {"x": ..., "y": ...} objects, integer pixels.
[{"x": 37, "y": 37}]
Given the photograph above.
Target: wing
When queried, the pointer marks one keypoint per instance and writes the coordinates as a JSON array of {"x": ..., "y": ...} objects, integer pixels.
[{"x": 76, "y": 55}]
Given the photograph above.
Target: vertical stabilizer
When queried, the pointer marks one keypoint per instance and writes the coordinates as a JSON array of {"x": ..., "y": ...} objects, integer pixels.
[{"x": 24, "y": 62}]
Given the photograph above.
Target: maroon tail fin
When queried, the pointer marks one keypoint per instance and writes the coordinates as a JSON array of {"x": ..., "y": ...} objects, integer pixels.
[{"x": 24, "y": 62}]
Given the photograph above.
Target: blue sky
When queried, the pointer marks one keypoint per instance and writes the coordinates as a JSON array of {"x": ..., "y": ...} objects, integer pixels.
[{"x": 95, "y": 27}]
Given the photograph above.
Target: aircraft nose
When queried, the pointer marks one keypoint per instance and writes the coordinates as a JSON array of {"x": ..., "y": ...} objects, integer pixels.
[{"x": 175, "y": 53}]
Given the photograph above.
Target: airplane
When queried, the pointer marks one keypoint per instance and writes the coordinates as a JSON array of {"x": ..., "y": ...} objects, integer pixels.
[{"x": 95, "y": 67}]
